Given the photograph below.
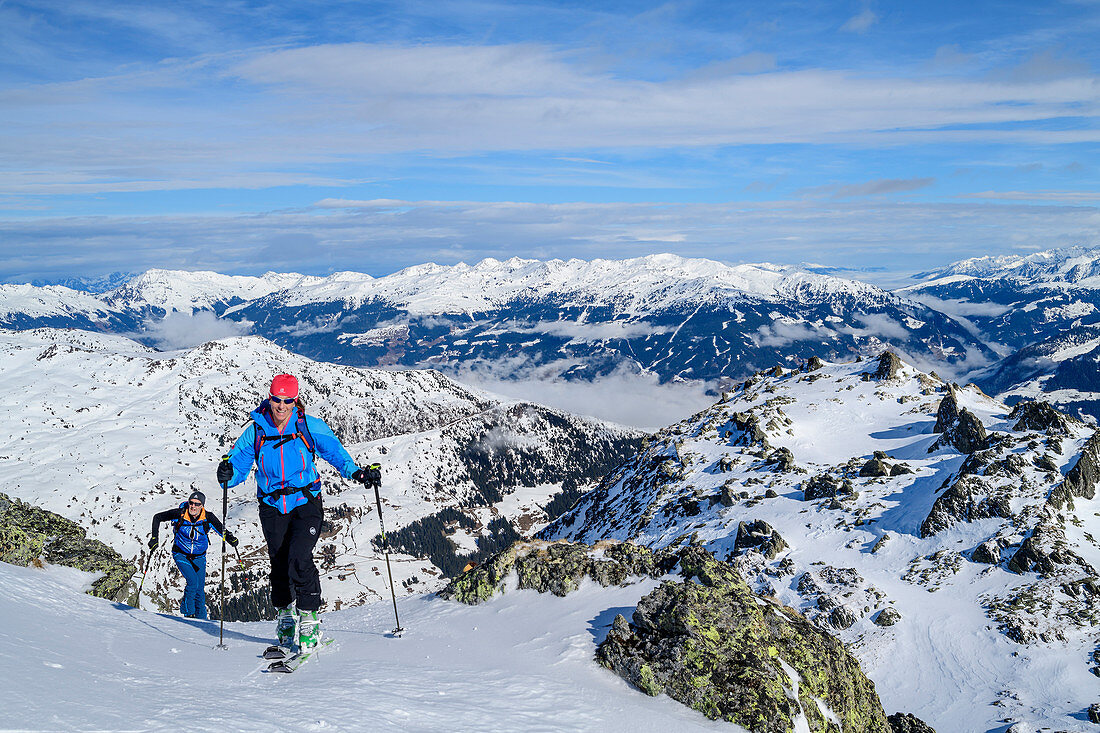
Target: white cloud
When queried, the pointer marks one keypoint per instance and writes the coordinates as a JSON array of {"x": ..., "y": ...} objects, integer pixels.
[
  {"x": 182, "y": 331},
  {"x": 597, "y": 331},
  {"x": 782, "y": 333},
  {"x": 624, "y": 396},
  {"x": 861, "y": 22}
]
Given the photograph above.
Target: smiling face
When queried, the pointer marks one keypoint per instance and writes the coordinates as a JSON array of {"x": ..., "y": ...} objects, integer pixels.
[
  {"x": 194, "y": 507},
  {"x": 281, "y": 411}
]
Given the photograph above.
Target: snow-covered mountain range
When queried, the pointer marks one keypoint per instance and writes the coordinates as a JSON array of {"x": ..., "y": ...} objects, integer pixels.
[
  {"x": 674, "y": 317},
  {"x": 107, "y": 432},
  {"x": 952, "y": 541}
]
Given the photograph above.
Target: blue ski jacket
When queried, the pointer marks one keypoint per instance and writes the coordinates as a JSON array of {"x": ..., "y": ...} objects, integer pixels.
[
  {"x": 286, "y": 475},
  {"x": 189, "y": 535}
]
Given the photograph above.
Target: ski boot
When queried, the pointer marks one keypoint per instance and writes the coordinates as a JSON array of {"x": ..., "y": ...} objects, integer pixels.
[
  {"x": 285, "y": 621},
  {"x": 309, "y": 631}
]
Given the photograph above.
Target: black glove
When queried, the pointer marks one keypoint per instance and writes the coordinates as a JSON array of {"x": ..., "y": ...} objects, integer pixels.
[
  {"x": 153, "y": 541},
  {"x": 230, "y": 539},
  {"x": 225, "y": 472},
  {"x": 369, "y": 476}
]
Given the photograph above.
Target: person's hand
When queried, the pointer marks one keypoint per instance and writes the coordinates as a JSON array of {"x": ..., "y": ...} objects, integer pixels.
[
  {"x": 231, "y": 539},
  {"x": 225, "y": 472},
  {"x": 152, "y": 543},
  {"x": 369, "y": 476}
]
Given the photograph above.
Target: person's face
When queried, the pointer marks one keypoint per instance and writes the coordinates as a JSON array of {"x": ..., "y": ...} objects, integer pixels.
[
  {"x": 281, "y": 409},
  {"x": 194, "y": 507}
]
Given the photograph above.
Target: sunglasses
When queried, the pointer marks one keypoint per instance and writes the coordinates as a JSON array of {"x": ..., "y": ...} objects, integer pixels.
[
  {"x": 282, "y": 401},
  {"x": 195, "y": 503}
]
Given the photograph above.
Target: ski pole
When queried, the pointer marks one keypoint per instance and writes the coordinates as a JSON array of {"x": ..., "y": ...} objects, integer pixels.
[
  {"x": 144, "y": 571},
  {"x": 225, "y": 511},
  {"x": 377, "y": 481}
]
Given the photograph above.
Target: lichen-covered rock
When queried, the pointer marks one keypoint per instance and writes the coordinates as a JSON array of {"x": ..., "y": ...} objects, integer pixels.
[
  {"x": 558, "y": 568},
  {"x": 909, "y": 723},
  {"x": 758, "y": 536},
  {"x": 887, "y": 617},
  {"x": 28, "y": 533},
  {"x": 947, "y": 413},
  {"x": 814, "y": 363},
  {"x": 900, "y": 469},
  {"x": 709, "y": 643},
  {"x": 888, "y": 366}
]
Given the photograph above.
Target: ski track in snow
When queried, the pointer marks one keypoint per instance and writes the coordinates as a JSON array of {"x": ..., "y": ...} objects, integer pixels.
[{"x": 521, "y": 662}]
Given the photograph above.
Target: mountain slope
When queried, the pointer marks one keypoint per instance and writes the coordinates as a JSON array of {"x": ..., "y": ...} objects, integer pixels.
[
  {"x": 959, "y": 560},
  {"x": 107, "y": 433},
  {"x": 74, "y": 662}
]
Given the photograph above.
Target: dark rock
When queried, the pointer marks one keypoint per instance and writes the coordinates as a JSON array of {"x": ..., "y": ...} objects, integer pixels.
[
  {"x": 29, "y": 534},
  {"x": 1046, "y": 463},
  {"x": 1080, "y": 480},
  {"x": 770, "y": 494},
  {"x": 881, "y": 455},
  {"x": 709, "y": 643},
  {"x": 966, "y": 432},
  {"x": 1039, "y": 416},
  {"x": 1094, "y": 712},
  {"x": 823, "y": 486},
  {"x": 782, "y": 459},
  {"x": 777, "y": 371},
  {"x": 887, "y": 617},
  {"x": 758, "y": 536},
  {"x": 813, "y": 364},
  {"x": 841, "y": 618},
  {"x": 900, "y": 469},
  {"x": 888, "y": 366},
  {"x": 965, "y": 501},
  {"x": 947, "y": 413},
  {"x": 727, "y": 497},
  {"x": 875, "y": 467},
  {"x": 988, "y": 552},
  {"x": 1030, "y": 557},
  {"x": 909, "y": 723}
]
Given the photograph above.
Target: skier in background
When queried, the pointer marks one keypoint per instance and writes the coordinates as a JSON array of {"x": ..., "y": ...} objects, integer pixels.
[
  {"x": 190, "y": 542},
  {"x": 282, "y": 443}
]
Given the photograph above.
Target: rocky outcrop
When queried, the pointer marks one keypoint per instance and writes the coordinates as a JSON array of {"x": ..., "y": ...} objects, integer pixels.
[
  {"x": 711, "y": 644},
  {"x": 814, "y": 363},
  {"x": 825, "y": 486},
  {"x": 782, "y": 459},
  {"x": 758, "y": 536},
  {"x": 960, "y": 428},
  {"x": 887, "y": 617},
  {"x": 707, "y": 641},
  {"x": 1080, "y": 480},
  {"x": 888, "y": 366},
  {"x": 875, "y": 467},
  {"x": 30, "y": 535},
  {"x": 909, "y": 723},
  {"x": 1039, "y": 416},
  {"x": 967, "y": 500},
  {"x": 558, "y": 568}
]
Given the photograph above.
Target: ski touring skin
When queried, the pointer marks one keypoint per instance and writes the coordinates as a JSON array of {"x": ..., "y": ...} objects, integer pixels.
[{"x": 296, "y": 660}]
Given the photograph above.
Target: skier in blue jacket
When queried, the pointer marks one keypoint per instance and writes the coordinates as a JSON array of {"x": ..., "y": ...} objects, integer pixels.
[
  {"x": 281, "y": 443},
  {"x": 191, "y": 524}
]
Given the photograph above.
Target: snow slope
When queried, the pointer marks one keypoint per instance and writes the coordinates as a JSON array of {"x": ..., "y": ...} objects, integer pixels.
[
  {"x": 849, "y": 559},
  {"x": 521, "y": 662}
]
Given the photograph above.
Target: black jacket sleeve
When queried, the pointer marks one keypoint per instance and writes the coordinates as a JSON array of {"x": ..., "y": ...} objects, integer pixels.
[
  {"x": 216, "y": 524},
  {"x": 167, "y": 516}
]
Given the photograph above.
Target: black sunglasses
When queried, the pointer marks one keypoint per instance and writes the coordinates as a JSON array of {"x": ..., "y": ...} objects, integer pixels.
[
  {"x": 286, "y": 401},
  {"x": 195, "y": 503}
]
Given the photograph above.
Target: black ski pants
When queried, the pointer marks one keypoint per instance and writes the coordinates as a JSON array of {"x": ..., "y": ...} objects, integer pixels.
[{"x": 290, "y": 541}]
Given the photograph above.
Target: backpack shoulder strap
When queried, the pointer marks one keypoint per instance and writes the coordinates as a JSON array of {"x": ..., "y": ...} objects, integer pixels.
[{"x": 303, "y": 432}]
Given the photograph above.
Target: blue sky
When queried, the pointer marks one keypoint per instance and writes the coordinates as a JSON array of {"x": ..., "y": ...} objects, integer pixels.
[{"x": 242, "y": 137}]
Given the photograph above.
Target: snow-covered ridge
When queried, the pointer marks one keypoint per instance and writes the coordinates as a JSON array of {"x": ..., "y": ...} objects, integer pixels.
[
  {"x": 1076, "y": 266},
  {"x": 186, "y": 291},
  {"x": 643, "y": 283}
]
